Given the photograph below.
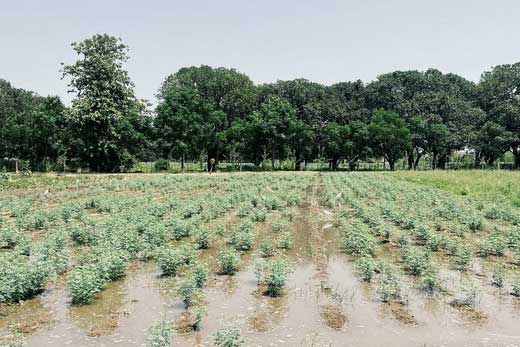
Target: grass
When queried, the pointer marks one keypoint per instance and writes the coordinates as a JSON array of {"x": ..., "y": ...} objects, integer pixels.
[{"x": 499, "y": 186}]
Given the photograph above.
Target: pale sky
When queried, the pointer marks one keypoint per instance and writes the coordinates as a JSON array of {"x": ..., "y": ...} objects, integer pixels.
[{"x": 324, "y": 41}]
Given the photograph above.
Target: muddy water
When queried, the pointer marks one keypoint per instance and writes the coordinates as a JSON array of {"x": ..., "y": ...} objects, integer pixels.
[{"x": 322, "y": 277}]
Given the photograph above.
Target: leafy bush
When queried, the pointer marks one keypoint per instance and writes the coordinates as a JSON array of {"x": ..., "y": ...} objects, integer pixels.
[
  {"x": 81, "y": 235},
  {"x": 229, "y": 336},
  {"x": 358, "y": 240},
  {"x": 493, "y": 244},
  {"x": 430, "y": 280},
  {"x": 202, "y": 238},
  {"x": 10, "y": 237},
  {"x": 463, "y": 257},
  {"x": 160, "y": 334},
  {"x": 389, "y": 287},
  {"x": 366, "y": 268},
  {"x": 499, "y": 275},
  {"x": 516, "y": 288},
  {"x": 83, "y": 282},
  {"x": 285, "y": 240},
  {"x": 259, "y": 216},
  {"x": 228, "y": 261},
  {"x": 20, "y": 277},
  {"x": 186, "y": 291},
  {"x": 273, "y": 274},
  {"x": 242, "y": 237},
  {"x": 414, "y": 261},
  {"x": 199, "y": 274},
  {"x": 169, "y": 260},
  {"x": 267, "y": 248},
  {"x": 161, "y": 165}
]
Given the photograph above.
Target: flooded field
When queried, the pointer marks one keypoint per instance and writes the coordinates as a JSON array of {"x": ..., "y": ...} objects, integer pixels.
[{"x": 371, "y": 261}]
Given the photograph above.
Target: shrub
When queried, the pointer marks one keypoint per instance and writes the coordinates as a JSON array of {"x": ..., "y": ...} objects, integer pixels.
[
  {"x": 242, "y": 238},
  {"x": 463, "y": 257},
  {"x": 229, "y": 336},
  {"x": 430, "y": 280},
  {"x": 169, "y": 260},
  {"x": 83, "y": 282},
  {"x": 183, "y": 228},
  {"x": 259, "y": 216},
  {"x": 493, "y": 244},
  {"x": 199, "y": 274},
  {"x": 471, "y": 292},
  {"x": 286, "y": 240},
  {"x": 228, "y": 261},
  {"x": 498, "y": 275},
  {"x": 415, "y": 262},
  {"x": 389, "y": 287},
  {"x": 358, "y": 240},
  {"x": 20, "y": 277},
  {"x": 186, "y": 291},
  {"x": 273, "y": 274},
  {"x": 160, "y": 334},
  {"x": 516, "y": 288},
  {"x": 81, "y": 235},
  {"x": 10, "y": 237},
  {"x": 111, "y": 263},
  {"x": 161, "y": 165},
  {"x": 202, "y": 238},
  {"x": 366, "y": 268},
  {"x": 267, "y": 248}
]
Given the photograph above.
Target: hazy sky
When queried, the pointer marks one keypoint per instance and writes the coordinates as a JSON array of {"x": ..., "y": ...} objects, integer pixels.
[{"x": 325, "y": 41}]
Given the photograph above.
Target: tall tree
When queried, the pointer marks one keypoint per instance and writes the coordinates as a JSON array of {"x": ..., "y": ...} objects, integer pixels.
[
  {"x": 105, "y": 111},
  {"x": 390, "y": 135}
]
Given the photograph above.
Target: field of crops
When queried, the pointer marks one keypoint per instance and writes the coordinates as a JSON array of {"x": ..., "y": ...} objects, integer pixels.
[{"x": 257, "y": 259}]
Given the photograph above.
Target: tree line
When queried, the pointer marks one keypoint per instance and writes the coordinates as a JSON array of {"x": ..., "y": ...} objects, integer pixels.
[{"x": 206, "y": 113}]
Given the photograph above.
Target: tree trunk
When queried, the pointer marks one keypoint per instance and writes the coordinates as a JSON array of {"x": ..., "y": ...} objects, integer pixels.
[
  {"x": 182, "y": 163},
  {"x": 334, "y": 163},
  {"x": 516, "y": 152},
  {"x": 212, "y": 154},
  {"x": 392, "y": 165},
  {"x": 411, "y": 161}
]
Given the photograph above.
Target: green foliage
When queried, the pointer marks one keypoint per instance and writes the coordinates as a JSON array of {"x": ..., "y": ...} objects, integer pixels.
[
  {"x": 20, "y": 277},
  {"x": 83, "y": 282},
  {"x": 187, "y": 290},
  {"x": 170, "y": 260},
  {"x": 202, "y": 237},
  {"x": 228, "y": 336},
  {"x": 366, "y": 268},
  {"x": 273, "y": 274},
  {"x": 199, "y": 274},
  {"x": 267, "y": 248},
  {"x": 494, "y": 244},
  {"x": 389, "y": 286},
  {"x": 160, "y": 334},
  {"x": 228, "y": 261},
  {"x": 242, "y": 237},
  {"x": 358, "y": 240}
]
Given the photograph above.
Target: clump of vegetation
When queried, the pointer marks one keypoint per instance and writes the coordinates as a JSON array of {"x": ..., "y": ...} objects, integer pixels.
[
  {"x": 285, "y": 241},
  {"x": 416, "y": 262},
  {"x": 169, "y": 260},
  {"x": 498, "y": 277},
  {"x": 358, "y": 240},
  {"x": 471, "y": 293},
  {"x": 366, "y": 268},
  {"x": 160, "y": 334},
  {"x": 20, "y": 277},
  {"x": 187, "y": 290},
  {"x": 273, "y": 274},
  {"x": 83, "y": 282},
  {"x": 463, "y": 257},
  {"x": 516, "y": 288},
  {"x": 389, "y": 286},
  {"x": 229, "y": 336},
  {"x": 430, "y": 281},
  {"x": 199, "y": 274},
  {"x": 267, "y": 248},
  {"x": 242, "y": 237},
  {"x": 494, "y": 244},
  {"x": 202, "y": 238},
  {"x": 259, "y": 215},
  {"x": 228, "y": 261}
]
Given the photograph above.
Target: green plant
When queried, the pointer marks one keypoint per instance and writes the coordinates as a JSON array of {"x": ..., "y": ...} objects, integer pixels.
[
  {"x": 160, "y": 334},
  {"x": 463, "y": 257},
  {"x": 267, "y": 248},
  {"x": 187, "y": 290},
  {"x": 199, "y": 274},
  {"x": 169, "y": 260},
  {"x": 242, "y": 237},
  {"x": 228, "y": 261},
  {"x": 228, "y": 336},
  {"x": 414, "y": 261},
  {"x": 20, "y": 277},
  {"x": 430, "y": 280},
  {"x": 358, "y": 240},
  {"x": 494, "y": 244},
  {"x": 516, "y": 288},
  {"x": 389, "y": 287},
  {"x": 285, "y": 240},
  {"x": 202, "y": 238},
  {"x": 498, "y": 277},
  {"x": 366, "y": 268},
  {"x": 83, "y": 282},
  {"x": 273, "y": 274}
]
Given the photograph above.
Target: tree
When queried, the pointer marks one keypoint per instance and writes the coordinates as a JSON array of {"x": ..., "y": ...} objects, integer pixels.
[
  {"x": 500, "y": 98},
  {"x": 490, "y": 143},
  {"x": 271, "y": 130},
  {"x": 105, "y": 114},
  {"x": 390, "y": 136},
  {"x": 226, "y": 94}
]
